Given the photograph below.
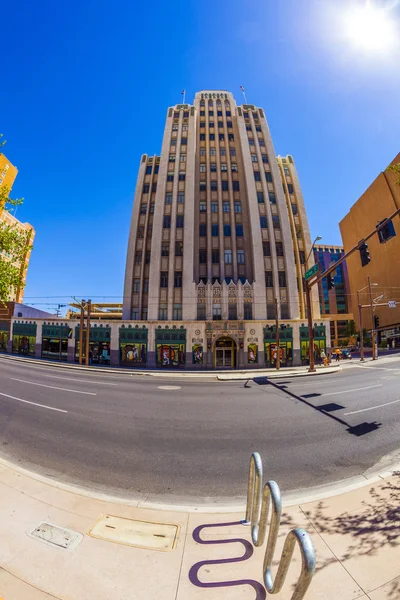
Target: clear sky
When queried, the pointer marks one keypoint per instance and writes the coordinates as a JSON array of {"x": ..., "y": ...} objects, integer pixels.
[{"x": 84, "y": 90}]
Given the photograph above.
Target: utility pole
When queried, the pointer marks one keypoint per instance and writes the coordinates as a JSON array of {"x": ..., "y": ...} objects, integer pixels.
[
  {"x": 362, "y": 359},
  {"x": 82, "y": 324},
  {"x": 373, "y": 335},
  {"x": 88, "y": 308},
  {"x": 278, "y": 351}
]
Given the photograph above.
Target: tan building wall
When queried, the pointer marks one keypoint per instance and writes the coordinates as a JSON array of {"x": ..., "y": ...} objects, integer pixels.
[
  {"x": 378, "y": 202},
  {"x": 300, "y": 232},
  {"x": 8, "y": 174}
]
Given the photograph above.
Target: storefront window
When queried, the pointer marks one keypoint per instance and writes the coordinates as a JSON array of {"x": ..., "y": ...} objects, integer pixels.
[
  {"x": 132, "y": 353},
  {"x": 4, "y": 337},
  {"x": 170, "y": 355},
  {"x": 252, "y": 352},
  {"x": 197, "y": 354},
  {"x": 51, "y": 348},
  {"x": 319, "y": 343},
  {"x": 285, "y": 353},
  {"x": 24, "y": 344},
  {"x": 99, "y": 352}
]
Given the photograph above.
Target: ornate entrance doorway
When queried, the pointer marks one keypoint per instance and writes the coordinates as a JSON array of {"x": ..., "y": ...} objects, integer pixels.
[{"x": 225, "y": 353}]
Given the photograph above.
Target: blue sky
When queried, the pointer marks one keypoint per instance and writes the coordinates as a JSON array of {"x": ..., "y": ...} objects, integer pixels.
[{"x": 85, "y": 88}]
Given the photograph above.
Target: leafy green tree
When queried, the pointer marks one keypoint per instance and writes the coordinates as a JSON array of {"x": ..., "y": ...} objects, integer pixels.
[
  {"x": 395, "y": 169},
  {"x": 351, "y": 328},
  {"x": 14, "y": 245}
]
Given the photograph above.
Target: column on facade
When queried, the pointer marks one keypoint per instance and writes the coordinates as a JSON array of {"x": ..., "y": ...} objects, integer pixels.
[
  {"x": 260, "y": 311},
  {"x": 38, "y": 345},
  {"x": 189, "y": 301},
  {"x": 285, "y": 231},
  {"x": 156, "y": 240},
  {"x": 224, "y": 301},
  {"x": 130, "y": 259}
]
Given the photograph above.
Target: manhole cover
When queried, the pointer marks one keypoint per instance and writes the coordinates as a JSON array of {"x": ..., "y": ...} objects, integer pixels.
[
  {"x": 169, "y": 387},
  {"x": 56, "y": 536},
  {"x": 142, "y": 534}
]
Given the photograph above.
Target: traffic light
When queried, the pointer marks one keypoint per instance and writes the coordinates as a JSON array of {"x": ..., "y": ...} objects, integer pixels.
[
  {"x": 330, "y": 281},
  {"x": 376, "y": 321},
  {"x": 387, "y": 232},
  {"x": 364, "y": 254}
]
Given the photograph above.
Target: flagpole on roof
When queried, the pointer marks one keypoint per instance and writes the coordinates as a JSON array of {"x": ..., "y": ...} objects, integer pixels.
[
  {"x": 183, "y": 93},
  {"x": 244, "y": 94}
]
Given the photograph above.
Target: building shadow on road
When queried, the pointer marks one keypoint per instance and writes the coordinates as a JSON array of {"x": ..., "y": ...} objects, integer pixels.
[{"x": 325, "y": 409}]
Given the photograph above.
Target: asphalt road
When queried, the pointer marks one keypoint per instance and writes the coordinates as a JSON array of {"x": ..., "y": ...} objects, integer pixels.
[{"x": 133, "y": 435}]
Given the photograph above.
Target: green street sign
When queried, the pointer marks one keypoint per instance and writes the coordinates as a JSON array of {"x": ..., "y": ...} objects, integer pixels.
[{"x": 314, "y": 269}]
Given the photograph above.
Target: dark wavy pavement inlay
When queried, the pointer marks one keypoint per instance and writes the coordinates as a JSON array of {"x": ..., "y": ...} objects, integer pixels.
[{"x": 193, "y": 573}]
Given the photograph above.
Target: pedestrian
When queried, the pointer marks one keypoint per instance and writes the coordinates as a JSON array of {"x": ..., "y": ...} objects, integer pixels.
[
  {"x": 323, "y": 356},
  {"x": 337, "y": 354}
]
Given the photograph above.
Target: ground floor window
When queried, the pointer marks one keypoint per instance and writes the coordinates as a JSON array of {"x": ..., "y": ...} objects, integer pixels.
[
  {"x": 252, "y": 352},
  {"x": 170, "y": 355},
  {"x": 24, "y": 344},
  {"x": 131, "y": 354},
  {"x": 285, "y": 353},
  {"x": 51, "y": 348},
  {"x": 4, "y": 337},
  {"x": 319, "y": 345},
  {"x": 99, "y": 352},
  {"x": 197, "y": 354}
]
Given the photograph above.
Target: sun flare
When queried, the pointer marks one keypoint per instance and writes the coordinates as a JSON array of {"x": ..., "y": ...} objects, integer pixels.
[{"x": 370, "y": 28}]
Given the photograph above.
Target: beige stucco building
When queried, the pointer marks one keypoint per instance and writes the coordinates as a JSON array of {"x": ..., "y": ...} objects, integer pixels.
[
  {"x": 378, "y": 202},
  {"x": 8, "y": 174},
  {"x": 219, "y": 231}
]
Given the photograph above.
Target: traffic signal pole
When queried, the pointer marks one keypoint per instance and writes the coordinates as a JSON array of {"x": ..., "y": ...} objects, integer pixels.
[{"x": 310, "y": 329}]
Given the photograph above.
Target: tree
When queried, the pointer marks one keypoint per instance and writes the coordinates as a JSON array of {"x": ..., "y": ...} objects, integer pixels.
[
  {"x": 14, "y": 245},
  {"x": 395, "y": 169},
  {"x": 351, "y": 328}
]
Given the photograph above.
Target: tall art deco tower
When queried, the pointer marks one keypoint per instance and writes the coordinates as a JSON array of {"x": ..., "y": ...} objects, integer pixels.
[{"x": 216, "y": 211}]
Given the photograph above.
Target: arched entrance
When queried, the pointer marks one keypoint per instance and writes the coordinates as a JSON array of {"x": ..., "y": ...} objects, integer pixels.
[{"x": 225, "y": 353}]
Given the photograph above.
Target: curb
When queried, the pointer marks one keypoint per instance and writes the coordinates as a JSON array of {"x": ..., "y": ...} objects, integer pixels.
[
  {"x": 217, "y": 375},
  {"x": 385, "y": 468},
  {"x": 277, "y": 375}
]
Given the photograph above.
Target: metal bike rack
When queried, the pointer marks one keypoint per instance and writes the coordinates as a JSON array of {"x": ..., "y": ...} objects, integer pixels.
[{"x": 257, "y": 511}]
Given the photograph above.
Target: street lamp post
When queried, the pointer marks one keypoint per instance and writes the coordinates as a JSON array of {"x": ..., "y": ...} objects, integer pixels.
[
  {"x": 373, "y": 335},
  {"x": 362, "y": 359}
]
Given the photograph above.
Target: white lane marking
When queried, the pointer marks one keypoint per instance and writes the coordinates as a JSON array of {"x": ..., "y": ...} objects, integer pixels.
[
  {"x": 354, "y": 412},
  {"x": 369, "y": 387},
  {"x": 33, "y": 403},
  {"x": 169, "y": 387},
  {"x": 82, "y": 380},
  {"x": 53, "y": 388}
]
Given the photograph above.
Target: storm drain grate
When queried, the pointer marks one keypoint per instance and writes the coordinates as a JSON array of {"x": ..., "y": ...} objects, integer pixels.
[
  {"x": 141, "y": 534},
  {"x": 56, "y": 536}
]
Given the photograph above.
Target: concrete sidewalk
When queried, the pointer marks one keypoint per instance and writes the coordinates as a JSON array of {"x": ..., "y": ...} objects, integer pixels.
[
  {"x": 221, "y": 375},
  {"x": 356, "y": 536}
]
